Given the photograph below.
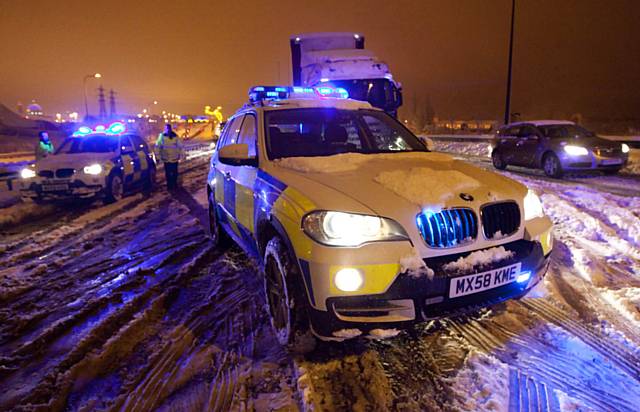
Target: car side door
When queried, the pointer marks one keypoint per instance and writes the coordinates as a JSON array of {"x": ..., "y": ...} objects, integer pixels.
[
  {"x": 224, "y": 187},
  {"x": 145, "y": 160},
  {"x": 507, "y": 143},
  {"x": 130, "y": 161},
  {"x": 244, "y": 178},
  {"x": 526, "y": 145}
]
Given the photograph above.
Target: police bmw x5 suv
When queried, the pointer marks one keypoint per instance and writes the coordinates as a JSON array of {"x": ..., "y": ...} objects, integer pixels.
[
  {"x": 105, "y": 161},
  {"x": 357, "y": 226}
]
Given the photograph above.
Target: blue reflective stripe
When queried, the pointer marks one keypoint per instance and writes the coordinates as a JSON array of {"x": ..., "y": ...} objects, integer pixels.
[{"x": 271, "y": 180}]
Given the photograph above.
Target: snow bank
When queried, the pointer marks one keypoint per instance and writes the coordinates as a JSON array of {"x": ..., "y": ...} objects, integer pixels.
[
  {"x": 479, "y": 258},
  {"x": 410, "y": 184},
  {"x": 415, "y": 266},
  {"x": 21, "y": 211},
  {"x": 347, "y": 333},
  {"x": 481, "y": 384},
  {"x": 481, "y": 149},
  {"x": 348, "y": 162},
  {"x": 383, "y": 333}
]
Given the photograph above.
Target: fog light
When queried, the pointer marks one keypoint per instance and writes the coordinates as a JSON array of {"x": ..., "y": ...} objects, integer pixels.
[
  {"x": 523, "y": 277},
  {"x": 348, "y": 279}
]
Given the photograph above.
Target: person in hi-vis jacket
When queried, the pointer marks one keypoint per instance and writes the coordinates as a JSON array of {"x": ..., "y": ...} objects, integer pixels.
[{"x": 170, "y": 151}]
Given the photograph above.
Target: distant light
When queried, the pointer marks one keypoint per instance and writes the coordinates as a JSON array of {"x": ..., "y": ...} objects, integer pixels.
[
  {"x": 324, "y": 80},
  {"x": 357, "y": 36},
  {"x": 97, "y": 75},
  {"x": 155, "y": 102},
  {"x": 297, "y": 38}
]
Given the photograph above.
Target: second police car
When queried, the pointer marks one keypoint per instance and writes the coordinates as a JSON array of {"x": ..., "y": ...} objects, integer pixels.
[
  {"x": 105, "y": 161},
  {"x": 357, "y": 226}
]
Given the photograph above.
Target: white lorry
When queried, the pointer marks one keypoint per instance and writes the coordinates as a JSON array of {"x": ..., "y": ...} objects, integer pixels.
[{"x": 340, "y": 60}]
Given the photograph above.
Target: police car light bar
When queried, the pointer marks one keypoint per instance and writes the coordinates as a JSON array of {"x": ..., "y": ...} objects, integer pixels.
[
  {"x": 259, "y": 93},
  {"x": 114, "y": 129}
]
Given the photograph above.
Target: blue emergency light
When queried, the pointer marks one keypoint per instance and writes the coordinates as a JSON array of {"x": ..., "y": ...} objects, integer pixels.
[
  {"x": 114, "y": 129},
  {"x": 259, "y": 93}
]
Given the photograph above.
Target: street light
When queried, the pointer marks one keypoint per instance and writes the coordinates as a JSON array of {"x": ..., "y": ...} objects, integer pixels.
[
  {"x": 84, "y": 88},
  {"x": 507, "y": 106}
]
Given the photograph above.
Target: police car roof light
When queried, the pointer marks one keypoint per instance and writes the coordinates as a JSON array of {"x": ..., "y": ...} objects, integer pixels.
[
  {"x": 114, "y": 129},
  {"x": 259, "y": 93}
]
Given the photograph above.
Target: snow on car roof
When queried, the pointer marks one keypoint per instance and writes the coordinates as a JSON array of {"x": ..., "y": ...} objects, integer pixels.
[{"x": 543, "y": 122}]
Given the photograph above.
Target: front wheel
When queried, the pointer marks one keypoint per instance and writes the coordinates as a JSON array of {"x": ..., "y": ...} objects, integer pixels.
[
  {"x": 611, "y": 172},
  {"x": 216, "y": 233},
  {"x": 115, "y": 188},
  {"x": 286, "y": 300},
  {"x": 498, "y": 160},
  {"x": 551, "y": 166}
]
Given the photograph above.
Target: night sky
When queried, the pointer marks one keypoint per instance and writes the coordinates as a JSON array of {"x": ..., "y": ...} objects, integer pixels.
[{"x": 569, "y": 56}]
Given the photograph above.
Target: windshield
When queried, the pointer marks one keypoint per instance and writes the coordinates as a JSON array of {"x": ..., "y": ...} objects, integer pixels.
[
  {"x": 325, "y": 132},
  {"x": 89, "y": 144},
  {"x": 378, "y": 92},
  {"x": 565, "y": 130}
]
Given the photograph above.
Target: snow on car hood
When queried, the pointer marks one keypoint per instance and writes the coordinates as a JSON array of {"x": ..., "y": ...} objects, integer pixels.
[
  {"x": 72, "y": 160},
  {"x": 395, "y": 183}
]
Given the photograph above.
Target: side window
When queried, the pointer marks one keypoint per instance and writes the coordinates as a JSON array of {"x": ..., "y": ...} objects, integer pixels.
[
  {"x": 527, "y": 131},
  {"x": 385, "y": 137},
  {"x": 125, "y": 145},
  {"x": 139, "y": 144},
  {"x": 513, "y": 131},
  {"x": 230, "y": 132},
  {"x": 248, "y": 134}
]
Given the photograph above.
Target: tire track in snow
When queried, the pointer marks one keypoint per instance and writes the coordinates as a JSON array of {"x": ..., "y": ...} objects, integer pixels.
[{"x": 549, "y": 362}]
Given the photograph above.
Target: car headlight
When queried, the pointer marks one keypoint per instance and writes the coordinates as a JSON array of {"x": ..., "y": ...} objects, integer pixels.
[
  {"x": 532, "y": 206},
  {"x": 27, "y": 173},
  {"x": 575, "y": 150},
  {"x": 625, "y": 148},
  {"x": 347, "y": 229},
  {"x": 94, "y": 169}
]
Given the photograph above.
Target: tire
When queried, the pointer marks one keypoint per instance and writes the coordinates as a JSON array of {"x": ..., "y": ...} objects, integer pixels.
[
  {"x": 115, "y": 188},
  {"x": 217, "y": 235},
  {"x": 611, "y": 172},
  {"x": 498, "y": 160},
  {"x": 286, "y": 299},
  {"x": 551, "y": 166}
]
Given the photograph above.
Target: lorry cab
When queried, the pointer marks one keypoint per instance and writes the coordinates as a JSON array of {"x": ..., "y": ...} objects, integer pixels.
[{"x": 340, "y": 60}]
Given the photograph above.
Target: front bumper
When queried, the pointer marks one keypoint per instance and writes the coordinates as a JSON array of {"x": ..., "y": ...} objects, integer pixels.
[
  {"x": 410, "y": 300},
  {"x": 62, "y": 189},
  {"x": 593, "y": 162}
]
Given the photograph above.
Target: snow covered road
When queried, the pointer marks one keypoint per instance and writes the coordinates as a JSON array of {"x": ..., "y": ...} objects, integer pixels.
[{"x": 127, "y": 307}]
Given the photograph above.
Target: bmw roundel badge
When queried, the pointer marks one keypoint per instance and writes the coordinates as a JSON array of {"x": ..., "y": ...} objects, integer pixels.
[{"x": 466, "y": 196}]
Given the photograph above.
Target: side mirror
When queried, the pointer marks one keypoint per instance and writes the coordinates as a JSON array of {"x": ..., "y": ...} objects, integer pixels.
[{"x": 237, "y": 155}]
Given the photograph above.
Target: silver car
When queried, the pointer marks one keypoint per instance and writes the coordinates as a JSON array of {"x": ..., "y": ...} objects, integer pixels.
[{"x": 556, "y": 147}]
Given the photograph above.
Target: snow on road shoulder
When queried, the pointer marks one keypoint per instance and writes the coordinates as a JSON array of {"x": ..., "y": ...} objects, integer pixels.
[
  {"x": 410, "y": 184},
  {"x": 481, "y": 385},
  {"x": 479, "y": 258}
]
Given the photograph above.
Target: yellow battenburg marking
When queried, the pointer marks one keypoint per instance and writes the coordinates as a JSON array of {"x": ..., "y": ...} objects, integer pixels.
[
  {"x": 144, "y": 163},
  {"x": 546, "y": 240},
  {"x": 377, "y": 278},
  {"x": 219, "y": 188},
  {"x": 244, "y": 206},
  {"x": 126, "y": 164},
  {"x": 289, "y": 208},
  {"x": 234, "y": 226}
]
